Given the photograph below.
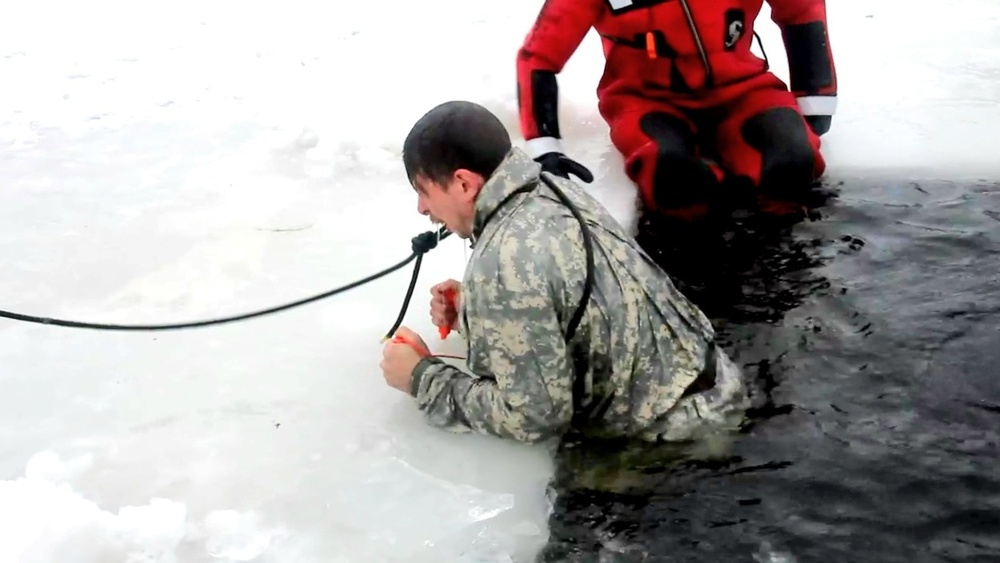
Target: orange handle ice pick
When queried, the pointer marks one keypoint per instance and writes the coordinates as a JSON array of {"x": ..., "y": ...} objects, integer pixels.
[{"x": 444, "y": 331}]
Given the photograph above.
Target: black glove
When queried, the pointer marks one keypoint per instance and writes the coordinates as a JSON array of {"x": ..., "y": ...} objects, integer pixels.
[
  {"x": 819, "y": 123},
  {"x": 818, "y": 109},
  {"x": 558, "y": 164}
]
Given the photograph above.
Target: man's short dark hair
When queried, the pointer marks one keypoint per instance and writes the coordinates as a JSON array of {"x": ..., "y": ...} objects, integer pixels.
[{"x": 454, "y": 135}]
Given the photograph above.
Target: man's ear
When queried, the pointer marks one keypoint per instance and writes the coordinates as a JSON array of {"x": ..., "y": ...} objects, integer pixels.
[{"x": 469, "y": 182}]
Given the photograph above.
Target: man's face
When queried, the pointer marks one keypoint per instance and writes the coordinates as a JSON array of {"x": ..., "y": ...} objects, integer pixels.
[{"x": 452, "y": 204}]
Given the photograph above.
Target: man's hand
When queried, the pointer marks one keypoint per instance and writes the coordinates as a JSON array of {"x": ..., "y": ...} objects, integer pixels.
[
  {"x": 444, "y": 307},
  {"x": 400, "y": 358}
]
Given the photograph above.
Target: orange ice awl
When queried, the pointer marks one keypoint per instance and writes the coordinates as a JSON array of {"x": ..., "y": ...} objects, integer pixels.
[{"x": 444, "y": 331}]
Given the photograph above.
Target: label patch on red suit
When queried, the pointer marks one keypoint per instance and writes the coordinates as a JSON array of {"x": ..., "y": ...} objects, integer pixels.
[
  {"x": 621, "y": 6},
  {"x": 734, "y": 27}
]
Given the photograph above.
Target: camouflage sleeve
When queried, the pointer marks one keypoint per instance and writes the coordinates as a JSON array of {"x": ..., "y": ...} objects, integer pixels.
[{"x": 522, "y": 387}]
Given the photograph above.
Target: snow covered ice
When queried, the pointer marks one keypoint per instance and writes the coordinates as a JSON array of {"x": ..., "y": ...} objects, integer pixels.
[{"x": 184, "y": 160}]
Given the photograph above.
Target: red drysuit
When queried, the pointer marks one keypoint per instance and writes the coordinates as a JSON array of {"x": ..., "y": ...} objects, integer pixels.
[{"x": 688, "y": 104}]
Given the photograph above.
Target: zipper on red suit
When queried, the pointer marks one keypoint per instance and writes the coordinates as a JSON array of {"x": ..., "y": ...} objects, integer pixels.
[{"x": 709, "y": 79}]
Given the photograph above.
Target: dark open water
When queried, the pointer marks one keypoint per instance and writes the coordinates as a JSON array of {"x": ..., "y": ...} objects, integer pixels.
[{"x": 874, "y": 326}]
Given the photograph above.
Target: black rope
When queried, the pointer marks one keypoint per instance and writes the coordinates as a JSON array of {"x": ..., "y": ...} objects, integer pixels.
[
  {"x": 425, "y": 241},
  {"x": 579, "y": 413},
  {"x": 588, "y": 248},
  {"x": 421, "y": 244},
  {"x": 406, "y": 300}
]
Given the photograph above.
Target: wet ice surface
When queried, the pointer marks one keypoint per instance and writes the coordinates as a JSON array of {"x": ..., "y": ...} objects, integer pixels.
[{"x": 183, "y": 161}]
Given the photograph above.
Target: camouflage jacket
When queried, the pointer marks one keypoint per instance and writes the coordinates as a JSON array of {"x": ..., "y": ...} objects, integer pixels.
[{"x": 642, "y": 343}]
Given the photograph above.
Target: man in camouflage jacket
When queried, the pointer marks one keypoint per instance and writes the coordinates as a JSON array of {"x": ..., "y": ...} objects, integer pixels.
[{"x": 644, "y": 354}]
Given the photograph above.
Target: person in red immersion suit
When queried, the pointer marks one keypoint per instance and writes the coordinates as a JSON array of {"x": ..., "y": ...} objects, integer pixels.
[{"x": 693, "y": 111}]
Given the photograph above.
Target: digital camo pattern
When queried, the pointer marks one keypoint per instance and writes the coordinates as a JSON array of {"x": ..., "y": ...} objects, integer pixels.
[{"x": 642, "y": 342}]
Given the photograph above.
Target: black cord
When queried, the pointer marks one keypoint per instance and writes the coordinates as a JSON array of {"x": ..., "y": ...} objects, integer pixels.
[
  {"x": 767, "y": 64},
  {"x": 421, "y": 244},
  {"x": 406, "y": 300},
  {"x": 423, "y": 241},
  {"x": 588, "y": 287},
  {"x": 588, "y": 248}
]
